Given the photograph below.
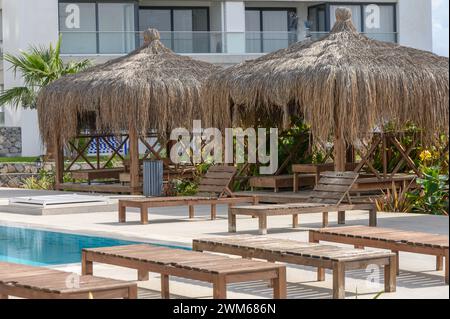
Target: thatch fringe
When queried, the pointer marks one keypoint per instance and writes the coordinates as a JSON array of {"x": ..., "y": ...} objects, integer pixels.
[
  {"x": 360, "y": 82},
  {"x": 150, "y": 88}
]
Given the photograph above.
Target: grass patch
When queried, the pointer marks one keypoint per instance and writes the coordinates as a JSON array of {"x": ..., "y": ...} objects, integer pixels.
[{"x": 31, "y": 159}]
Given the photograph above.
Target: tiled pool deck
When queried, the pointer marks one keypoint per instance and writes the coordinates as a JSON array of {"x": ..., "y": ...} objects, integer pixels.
[{"x": 417, "y": 279}]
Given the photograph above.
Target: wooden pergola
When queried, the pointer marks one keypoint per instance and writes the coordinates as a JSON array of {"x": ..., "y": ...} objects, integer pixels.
[
  {"x": 343, "y": 85},
  {"x": 152, "y": 89}
]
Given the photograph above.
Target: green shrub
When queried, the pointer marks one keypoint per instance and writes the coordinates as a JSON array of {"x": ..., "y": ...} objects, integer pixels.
[
  {"x": 44, "y": 181},
  {"x": 432, "y": 197},
  {"x": 395, "y": 199}
]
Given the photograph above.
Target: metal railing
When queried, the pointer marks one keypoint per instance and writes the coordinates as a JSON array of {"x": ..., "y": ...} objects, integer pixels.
[{"x": 197, "y": 42}]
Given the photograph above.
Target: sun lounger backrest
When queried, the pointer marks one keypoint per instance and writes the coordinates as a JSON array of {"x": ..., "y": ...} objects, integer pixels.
[
  {"x": 216, "y": 181},
  {"x": 333, "y": 187}
]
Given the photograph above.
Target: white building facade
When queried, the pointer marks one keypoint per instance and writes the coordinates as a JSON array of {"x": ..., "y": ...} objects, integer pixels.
[{"x": 222, "y": 32}]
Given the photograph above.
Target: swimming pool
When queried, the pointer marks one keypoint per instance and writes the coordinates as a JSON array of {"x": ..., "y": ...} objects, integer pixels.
[{"x": 41, "y": 248}]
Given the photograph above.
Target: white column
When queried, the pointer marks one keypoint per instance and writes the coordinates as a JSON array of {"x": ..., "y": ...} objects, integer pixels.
[
  {"x": 414, "y": 22},
  {"x": 234, "y": 26},
  {"x": 25, "y": 23}
]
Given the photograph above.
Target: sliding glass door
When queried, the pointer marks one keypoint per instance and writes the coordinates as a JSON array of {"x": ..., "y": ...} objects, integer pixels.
[
  {"x": 377, "y": 20},
  {"x": 184, "y": 30},
  {"x": 271, "y": 29},
  {"x": 97, "y": 27}
]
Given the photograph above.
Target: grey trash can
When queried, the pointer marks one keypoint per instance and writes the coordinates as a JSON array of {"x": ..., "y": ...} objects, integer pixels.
[{"x": 153, "y": 178}]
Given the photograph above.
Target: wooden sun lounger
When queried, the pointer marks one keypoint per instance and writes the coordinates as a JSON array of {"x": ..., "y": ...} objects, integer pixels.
[
  {"x": 215, "y": 269},
  {"x": 43, "y": 283},
  {"x": 307, "y": 254},
  {"x": 388, "y": 238},
  {"x": 328, "y": 196},
  {"x": 213, "y": 190}
]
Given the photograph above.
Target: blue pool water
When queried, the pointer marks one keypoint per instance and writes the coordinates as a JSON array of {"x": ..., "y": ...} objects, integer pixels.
[{"x": 40, "y": 248}]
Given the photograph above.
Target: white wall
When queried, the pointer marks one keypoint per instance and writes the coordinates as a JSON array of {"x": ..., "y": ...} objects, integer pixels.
[
  {"x": 415, "y": 25},
  {"x": 234, "y": 26},
  {"x": 24, "y": 25}
]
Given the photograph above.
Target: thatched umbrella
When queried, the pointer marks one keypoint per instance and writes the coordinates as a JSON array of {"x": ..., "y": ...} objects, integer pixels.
[
  {"x": 150, "y": 88},
  {"x": 344, "y": 85}
]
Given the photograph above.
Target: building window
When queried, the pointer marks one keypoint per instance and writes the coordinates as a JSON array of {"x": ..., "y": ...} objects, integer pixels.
[
  {"x": 377, "y": 21},
  {"x": 97, "y": 27},
  {"x": 184, "y": 30},
  {"x": 270, "y": 29}
]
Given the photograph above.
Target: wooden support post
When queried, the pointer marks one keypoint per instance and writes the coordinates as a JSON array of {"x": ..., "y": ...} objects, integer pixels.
[
  {"x": 339, "y": 147},
  {"x": 295, "y": 221},
  {"x": 384, "y": 154},
  {"x": 324, "y": 219},
  {"x": 439, "y": 263},
  {"x": 231, "y": 222},
  {"x": 279, "y": 284},
  {"x": 132, "y": 292},
  {"x": 373, "y": 217},
  {"x": 390, "y": 275},
  {"x": 97, "y": 142},
  {"x": 165, "y": 292},
  {"x": 341, "y": 217},
  {"x": 134, "y": 160},
  {"x": 142, "y": 275},
  {"x": 339, "y": 280},
  {"x": 262, "y": 219},
  {"x": 320, "y": 274},
  {"x": 86, "y": 265},
  {"x": 122, "y": 213},
  {"x": 59, "y": 163},
  {"x": 446, "y": 266},
  {"x": 219, "y": 287},
  {"x": 295, "y": 185},
  {"x": 191, "y": 211},
  {"x": 213, "y": 211},
  {"x": 144, "y": 215},
  {"x": 397, "y": 261}
]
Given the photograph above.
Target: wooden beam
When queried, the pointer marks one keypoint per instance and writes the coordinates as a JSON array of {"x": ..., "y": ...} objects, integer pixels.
[
  {"x": 384, "y": 155},
  {"x": 365, "y": 159},
  {"x": 80, "y": 154},
  {"x": 115, "y": 151},
  {"x": 402, "y": 159},
  {"x": 59, "y": 163},
  {"x": 134, "y": 160},
  {"x": 339, "y": 147},
  {"x": 406, "y": 157}
]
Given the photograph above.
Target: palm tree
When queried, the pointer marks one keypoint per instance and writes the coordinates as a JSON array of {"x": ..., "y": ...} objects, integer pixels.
[{"x": 38, "y": 67}]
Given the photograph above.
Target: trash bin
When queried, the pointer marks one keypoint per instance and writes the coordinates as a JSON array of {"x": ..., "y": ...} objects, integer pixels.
[{"x": 153, "y": 178}]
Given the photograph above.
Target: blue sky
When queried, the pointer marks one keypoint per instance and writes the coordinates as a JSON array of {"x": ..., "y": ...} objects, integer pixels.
[{"x": 440, "y": 26}]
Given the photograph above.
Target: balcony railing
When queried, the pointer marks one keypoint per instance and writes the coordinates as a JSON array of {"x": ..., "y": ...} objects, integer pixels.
[{"x": 87, "y": 43}]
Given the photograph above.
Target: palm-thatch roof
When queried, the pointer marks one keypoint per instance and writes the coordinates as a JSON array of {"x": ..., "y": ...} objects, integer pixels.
[
  {"x": 343, "y": 78},
  {"x": 150, "y": 88}
]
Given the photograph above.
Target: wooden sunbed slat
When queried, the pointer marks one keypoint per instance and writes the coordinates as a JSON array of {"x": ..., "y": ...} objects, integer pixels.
[
  {"x": 388, "y": 238},
  {"x": 291, "y": 247},
  {"x": 310, "y": 254},
  {"x": 39, "y": 281}
]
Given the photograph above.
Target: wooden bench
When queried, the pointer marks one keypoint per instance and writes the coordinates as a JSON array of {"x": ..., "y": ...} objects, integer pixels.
[
  {"x": 93, "y": 174},
  {"x": 302, "y": 171},
  {"x": 213, "y": 190},
  {"x": 44, "y": 283},
  {"x": 388, "y": 238},
  {"x": 328, "y": 196},
  {"x": 299, "y": 253},
  {"x": 212, "y": 268},
  {"x": 280, "y": 181}
]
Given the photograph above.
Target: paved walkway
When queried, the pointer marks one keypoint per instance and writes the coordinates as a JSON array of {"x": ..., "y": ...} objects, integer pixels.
[{"x": 417, "y": 279}]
